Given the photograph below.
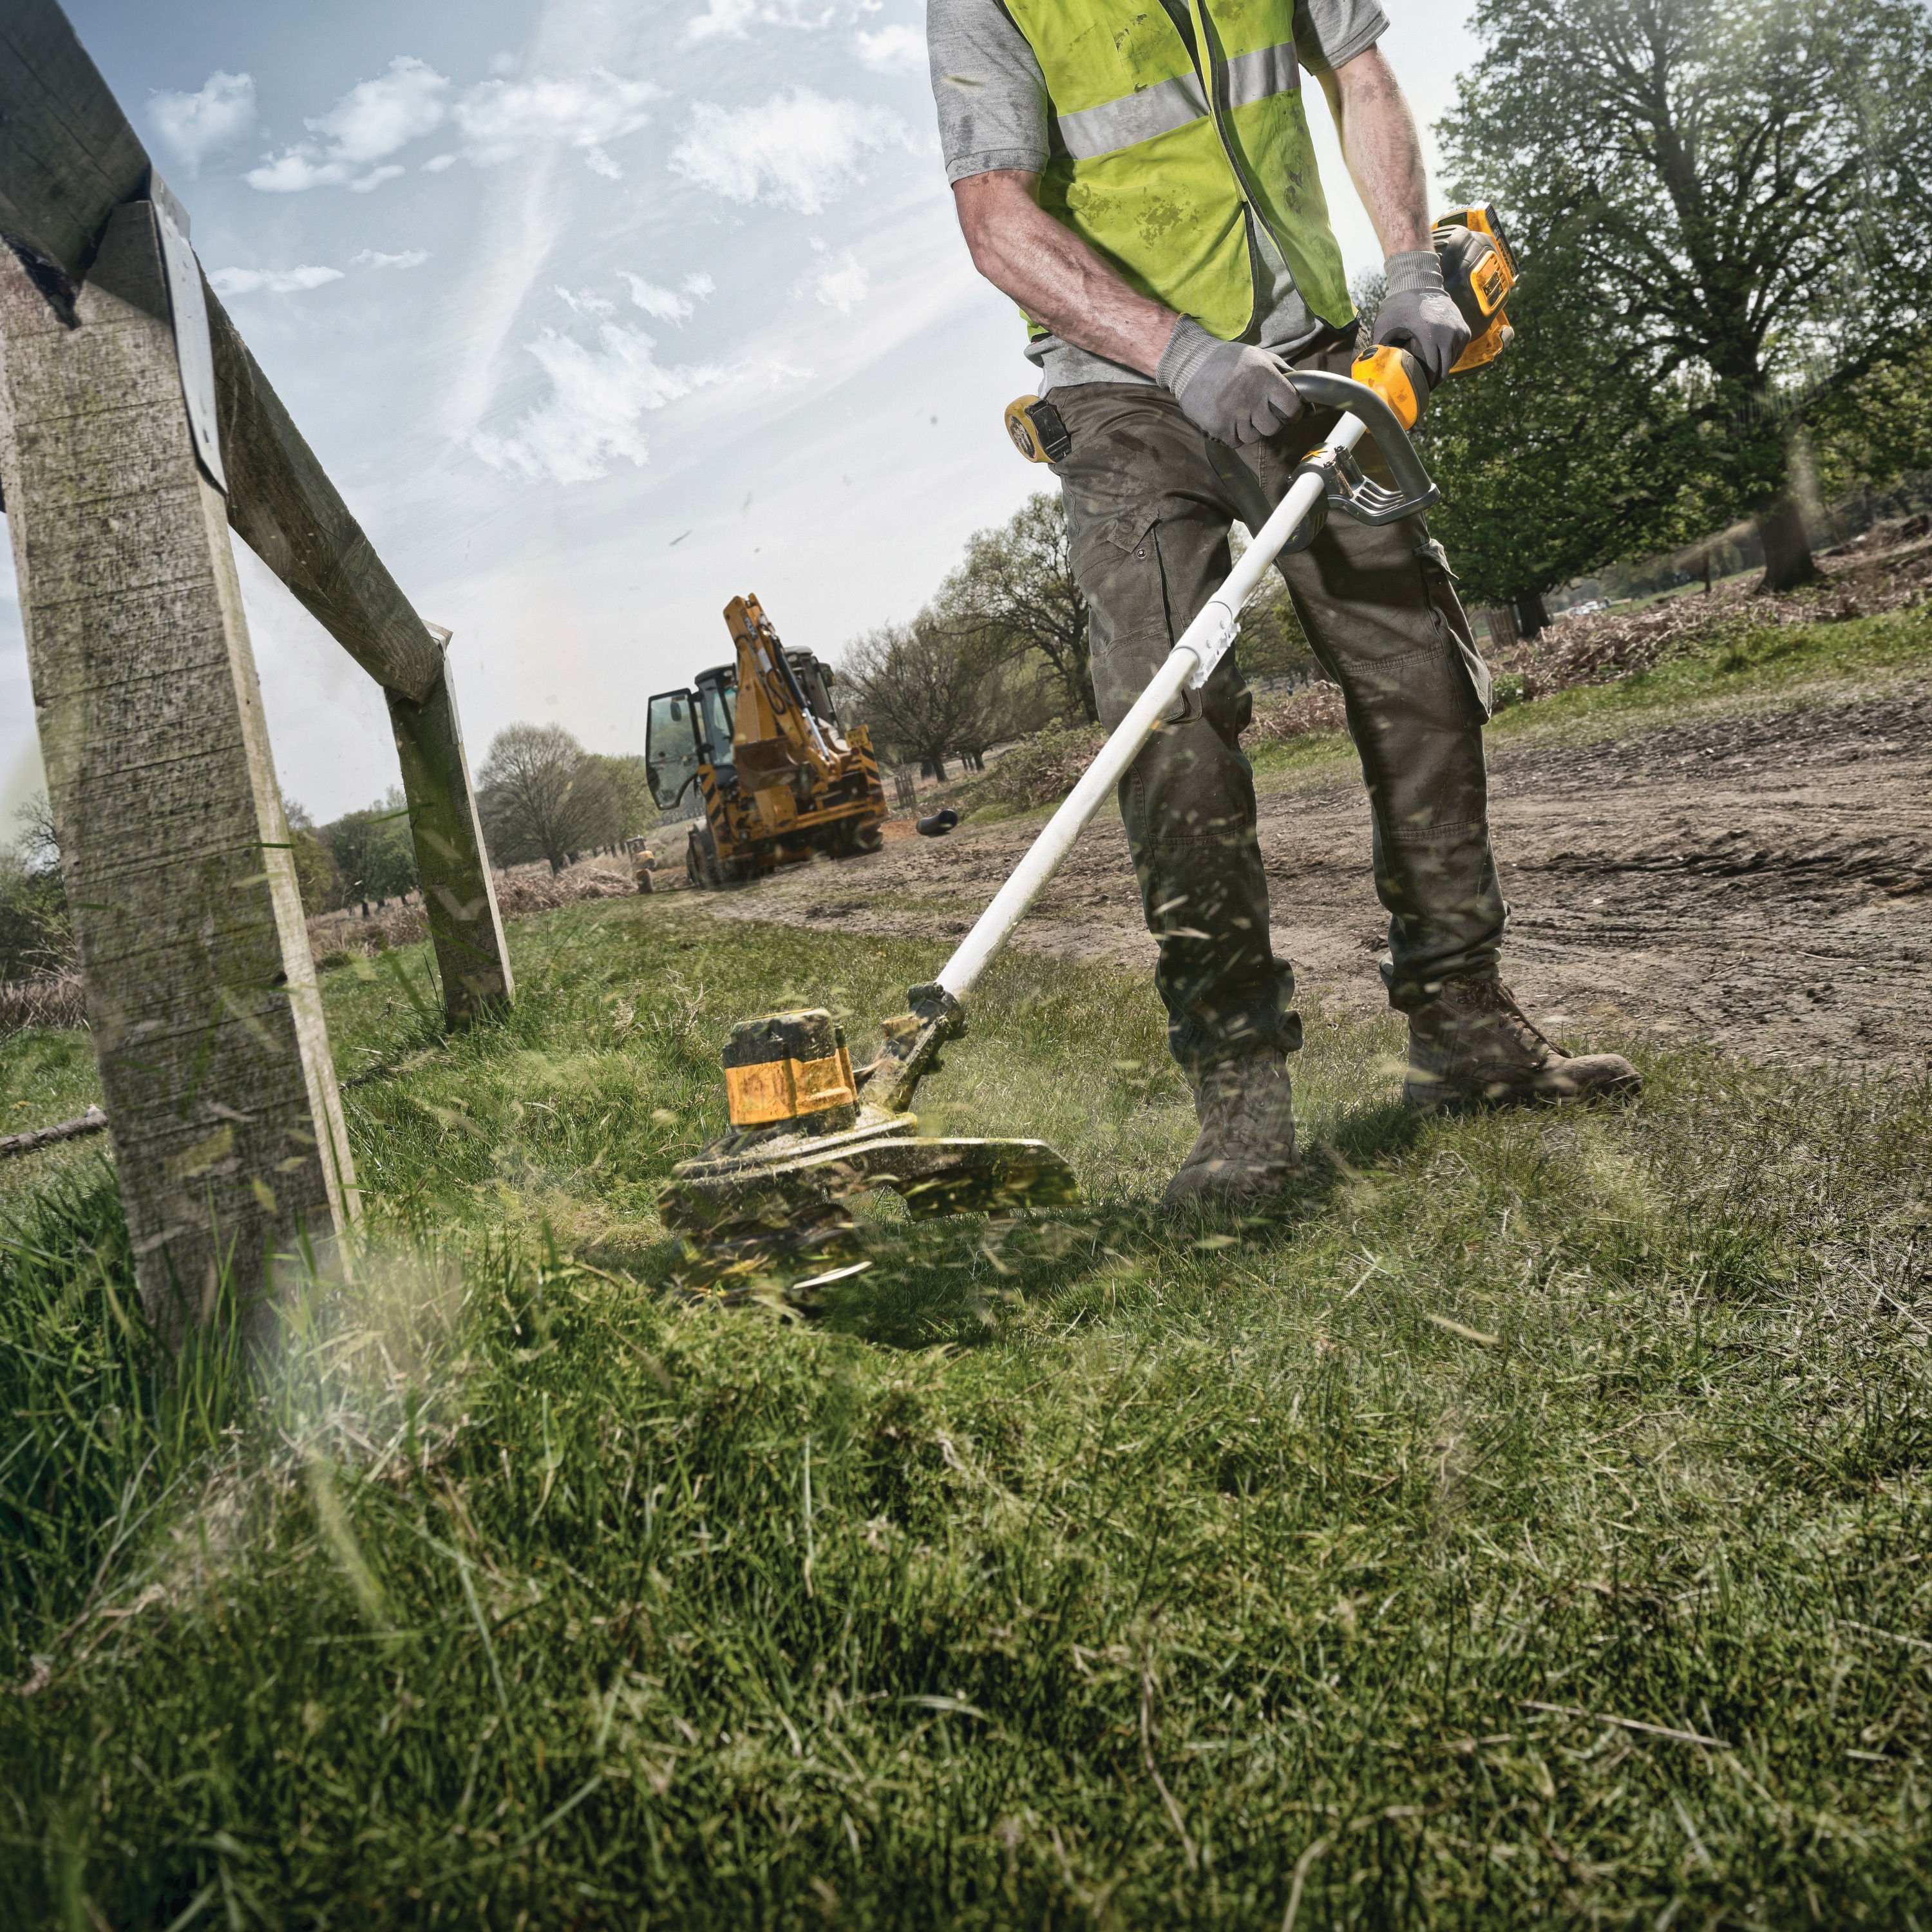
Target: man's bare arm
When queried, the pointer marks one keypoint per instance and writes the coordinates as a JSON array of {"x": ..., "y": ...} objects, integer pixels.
[
  {"x": 1379, "y": 143},
  {"x": 1054, "y": 275}
]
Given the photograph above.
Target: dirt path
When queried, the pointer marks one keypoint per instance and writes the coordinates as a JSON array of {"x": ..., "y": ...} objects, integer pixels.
[{"x": 1762, "y": 881}]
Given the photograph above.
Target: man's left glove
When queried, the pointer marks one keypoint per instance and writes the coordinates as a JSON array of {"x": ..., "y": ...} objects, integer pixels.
[{"x": 1419, "y": 314}]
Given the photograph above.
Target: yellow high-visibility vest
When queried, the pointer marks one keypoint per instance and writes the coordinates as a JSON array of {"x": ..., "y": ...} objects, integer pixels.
[{"x": 1161, "y": 173}]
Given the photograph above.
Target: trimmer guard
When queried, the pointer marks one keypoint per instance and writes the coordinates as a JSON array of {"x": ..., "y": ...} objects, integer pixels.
[{"x": 789, "y": 1196}]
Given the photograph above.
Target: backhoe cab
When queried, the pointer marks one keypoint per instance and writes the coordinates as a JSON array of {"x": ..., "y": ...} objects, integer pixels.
[{"x": 759, "y": 742}]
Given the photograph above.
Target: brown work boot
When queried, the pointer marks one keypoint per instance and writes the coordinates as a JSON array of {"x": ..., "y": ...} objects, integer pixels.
[
  {"x": 1246, "y": 1149},
  {"x": 1472, "y": 1042}
]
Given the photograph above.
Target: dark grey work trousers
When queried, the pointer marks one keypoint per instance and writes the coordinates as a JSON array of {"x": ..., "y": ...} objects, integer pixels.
[{"x": 1149, "y": 501}]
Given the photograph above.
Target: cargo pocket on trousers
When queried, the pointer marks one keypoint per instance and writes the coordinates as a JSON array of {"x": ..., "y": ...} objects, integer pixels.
[
  {"x": 1453, "y": 625},
  {"x": 1118, "y": 566}
]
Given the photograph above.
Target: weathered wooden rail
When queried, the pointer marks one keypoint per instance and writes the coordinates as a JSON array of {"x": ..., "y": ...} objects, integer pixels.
[{"x": 135, "y": 429}]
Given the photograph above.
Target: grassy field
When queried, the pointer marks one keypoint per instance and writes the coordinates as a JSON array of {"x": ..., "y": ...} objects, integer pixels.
[{"x": 1526, "y": 1524}]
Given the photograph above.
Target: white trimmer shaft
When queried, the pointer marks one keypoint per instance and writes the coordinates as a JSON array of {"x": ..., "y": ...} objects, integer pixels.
[{"x": 1201, "y": 646}]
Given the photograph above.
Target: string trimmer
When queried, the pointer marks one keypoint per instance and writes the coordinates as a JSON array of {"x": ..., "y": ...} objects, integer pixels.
[{"x": 808, "y": 1130}]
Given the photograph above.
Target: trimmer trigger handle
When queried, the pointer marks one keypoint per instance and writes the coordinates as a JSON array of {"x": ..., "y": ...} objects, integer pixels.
[
  {"x": 1398, "y": 378},
  {"x": 1369, "y": 503}
]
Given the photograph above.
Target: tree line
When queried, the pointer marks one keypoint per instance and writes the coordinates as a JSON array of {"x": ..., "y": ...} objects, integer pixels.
[
  {"x": 542, "y": 798},
  {"x": 1002, "y": 650}
]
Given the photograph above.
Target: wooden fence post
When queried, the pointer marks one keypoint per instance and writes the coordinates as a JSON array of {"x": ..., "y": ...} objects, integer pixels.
[
  {"x": 215, "y": 1062},
  {"x": 459, "y": 894}
]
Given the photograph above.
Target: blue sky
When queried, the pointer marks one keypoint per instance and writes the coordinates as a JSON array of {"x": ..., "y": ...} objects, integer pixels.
[{"x": 599, "y": 315}]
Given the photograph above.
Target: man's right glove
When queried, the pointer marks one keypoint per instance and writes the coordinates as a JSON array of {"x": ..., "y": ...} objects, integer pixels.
[
  {"x": 1419, "y": 314},
  {"x": 1236, "y": 392}
]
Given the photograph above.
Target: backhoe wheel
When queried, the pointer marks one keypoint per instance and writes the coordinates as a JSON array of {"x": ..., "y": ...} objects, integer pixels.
[
  {"x": 701, "y": 862},
  {"x": 869, "y": 838}
]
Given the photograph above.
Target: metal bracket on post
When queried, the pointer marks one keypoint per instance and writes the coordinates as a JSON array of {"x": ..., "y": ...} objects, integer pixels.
[{"x": 194, "y": 350}]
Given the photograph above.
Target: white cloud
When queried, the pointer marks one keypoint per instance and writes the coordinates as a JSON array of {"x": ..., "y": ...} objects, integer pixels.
[
  {"x": 896, "y": 50},
  {"x": 410, "y": 258},
  {"x": 842, "y": 284},
  {"x": 194, "y": 125},
  {"x": 585, "y": 303},
  {"x": 370, "y": 122},
  {"x": 499, "y": 120},
  {"x": 376, "y": 117},
  {"x": 735, "y": 19},
  {"x": 796, "y": 150},
  {"x": 270, "y": 281},
  {"x": 700, "y": 284},
  {"x": 502, "y": 119},
  {"x": 664, "y": 303},
  {"x": 591, "y": 417}
]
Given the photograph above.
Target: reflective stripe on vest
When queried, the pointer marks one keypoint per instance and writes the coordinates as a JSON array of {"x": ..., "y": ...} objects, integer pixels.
[
  {"x": 1164, "y": 181},
  {"x": 1163, "y": 109},
  {"x": 1170, "y": 105}
]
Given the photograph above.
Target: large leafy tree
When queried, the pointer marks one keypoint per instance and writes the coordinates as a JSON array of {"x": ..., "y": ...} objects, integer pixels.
[
  {"x": 543, "y": 797},
  {"x": 1724, "y": 207},
  {"x": 374, "y": 857},
  {"x": 922, "y": 691},
  {"x": 1558, "y": 457},
  {"x": 1015, "y": 594},
  {"x": 637, "y": 810}
]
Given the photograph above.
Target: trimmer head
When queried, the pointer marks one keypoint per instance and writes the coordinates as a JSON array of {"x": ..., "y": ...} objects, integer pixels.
[{"x": 774, "y": 1190}]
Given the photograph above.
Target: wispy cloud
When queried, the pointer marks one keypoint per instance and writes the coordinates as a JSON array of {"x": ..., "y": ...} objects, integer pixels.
[
  {"x": 373, "y": 120},
  {"x": 597, "y": 398},
  {"x": 894, "y": 50},
  {"x": 194, "y": 126},
  {"x": 503, "y": 119},
  {"x": 669, "y": 304},
  {"x": 583, "y": 302},
  {"x": 733, "y": 19},
  {"x": 796, "y": 151},
  {"x": 842, "y": 283},
  {"x": 270, "y": 281},
  {"x": 372, "y": 258},
  {"x": 497, "y": 120}
]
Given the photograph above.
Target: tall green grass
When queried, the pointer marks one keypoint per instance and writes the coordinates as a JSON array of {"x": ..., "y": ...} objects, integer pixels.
[{"x": 1526, "y": 1524}]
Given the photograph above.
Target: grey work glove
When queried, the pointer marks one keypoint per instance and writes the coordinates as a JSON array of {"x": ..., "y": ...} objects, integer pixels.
[
  {"x": 1236, "y": 392},
  {"x": 1419, "y": 314}
]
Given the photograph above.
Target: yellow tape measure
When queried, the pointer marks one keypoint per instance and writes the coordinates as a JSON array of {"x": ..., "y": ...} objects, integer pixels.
[{"x": 1036, "y": 428}]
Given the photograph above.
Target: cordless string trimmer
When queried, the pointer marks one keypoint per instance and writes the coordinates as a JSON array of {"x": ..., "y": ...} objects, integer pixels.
[{"x": 808, "y": 1130}]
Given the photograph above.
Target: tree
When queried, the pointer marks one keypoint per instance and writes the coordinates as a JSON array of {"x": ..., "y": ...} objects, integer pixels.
[
  {"x": 1877, "y": 430},
  {"x": 36, "y": 934},
  {"x": 637, "y": 810},
  {"x": 1733, "y": 195},
  {"x": 1016, "y": 592},
  {"x": 375, "y": 857},
  {"x": 921, "y": 689},
  {"x": 317, "y": 876},
  {"x": 543, "y": 797},
  {"x": 1557, "y": 458}
]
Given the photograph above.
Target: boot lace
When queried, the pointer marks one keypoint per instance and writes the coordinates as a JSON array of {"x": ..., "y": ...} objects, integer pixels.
[{"x": 1493, "y": 996}]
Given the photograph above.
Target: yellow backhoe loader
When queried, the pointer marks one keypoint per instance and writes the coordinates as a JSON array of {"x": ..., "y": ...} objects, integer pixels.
[{"x": 759, "y": 743}]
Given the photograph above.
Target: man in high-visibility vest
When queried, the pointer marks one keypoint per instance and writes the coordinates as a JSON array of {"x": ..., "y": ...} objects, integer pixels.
[{"x": 1139, "y": 178}]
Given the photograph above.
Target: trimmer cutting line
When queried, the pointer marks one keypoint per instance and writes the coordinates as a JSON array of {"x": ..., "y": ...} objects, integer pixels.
[{"x": 807, "y": 1131}]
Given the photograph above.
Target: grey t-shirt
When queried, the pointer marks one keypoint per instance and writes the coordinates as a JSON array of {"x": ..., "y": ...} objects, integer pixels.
[{"x": 994, "y": 113}]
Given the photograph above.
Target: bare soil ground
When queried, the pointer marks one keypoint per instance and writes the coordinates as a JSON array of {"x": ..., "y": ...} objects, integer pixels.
[{"x": 1761, "y": 881}]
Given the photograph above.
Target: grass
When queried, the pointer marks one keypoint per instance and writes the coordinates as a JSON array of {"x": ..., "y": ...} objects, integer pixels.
[
  {"x": 1525, "y": 1525},
  {"x": 1737, "y": 667}
]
